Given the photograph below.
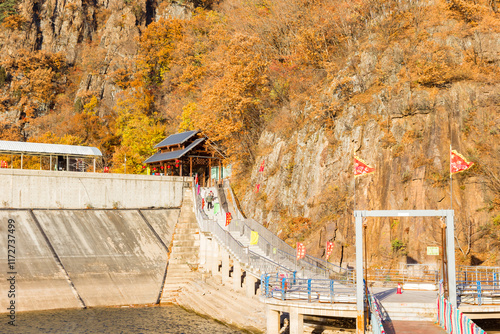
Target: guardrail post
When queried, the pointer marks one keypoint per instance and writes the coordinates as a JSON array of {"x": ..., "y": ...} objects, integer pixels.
[
  {"x": 268, "y": 292},
  {"x": 331, "y": 291},
  {"x": 283, "y": 282},
  {"x": 479, "y": 293},
  {"x": 263, "y": 281},
  {"x": 309, "y": 290}
]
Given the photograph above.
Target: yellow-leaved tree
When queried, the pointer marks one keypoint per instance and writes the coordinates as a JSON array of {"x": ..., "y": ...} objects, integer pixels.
[{"x": 232, "y": 105}]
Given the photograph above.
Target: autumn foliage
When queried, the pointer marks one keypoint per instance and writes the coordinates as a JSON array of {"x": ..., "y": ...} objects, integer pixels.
[{"x": 235, "y": 68}]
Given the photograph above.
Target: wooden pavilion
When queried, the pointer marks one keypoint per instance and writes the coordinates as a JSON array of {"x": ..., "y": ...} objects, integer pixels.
[{"x": 186, "y": 154}]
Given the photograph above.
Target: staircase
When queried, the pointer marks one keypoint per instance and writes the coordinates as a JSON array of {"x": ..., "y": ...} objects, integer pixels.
[
  {"x": 411, "y": 311},
  {"x": 184, "y": 255}
]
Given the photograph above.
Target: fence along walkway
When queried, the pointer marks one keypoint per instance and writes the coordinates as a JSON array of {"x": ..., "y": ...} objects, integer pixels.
[
  {"x": 270, "y": 255},
  {"x": 277, "y": 249}
]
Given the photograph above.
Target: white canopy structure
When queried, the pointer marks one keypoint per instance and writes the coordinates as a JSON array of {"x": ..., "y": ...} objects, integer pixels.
[{"x": 62, "y": 152}]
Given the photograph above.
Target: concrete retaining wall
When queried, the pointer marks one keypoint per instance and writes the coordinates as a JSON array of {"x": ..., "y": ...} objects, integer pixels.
[
  {"x": 39, "y": 283},
  {"x": 73, "y": 190},
  {"x": 111, "y": 257}
]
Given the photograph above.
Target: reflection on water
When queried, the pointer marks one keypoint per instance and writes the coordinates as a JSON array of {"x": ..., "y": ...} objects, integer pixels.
[{"x": 165, "y": 319}]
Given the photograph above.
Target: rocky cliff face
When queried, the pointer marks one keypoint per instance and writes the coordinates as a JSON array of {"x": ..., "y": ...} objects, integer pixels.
[
  {"x": 97, "y": 39},
  {"x": 307, "y": 190}
]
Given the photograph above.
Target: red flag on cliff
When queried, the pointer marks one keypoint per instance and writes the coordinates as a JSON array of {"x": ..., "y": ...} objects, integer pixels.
[
  {"x": 301, "y": 250},
  {"x": 329, "y": 249},
  {"x": 261, "y": 169},
  {"x": 361, "y": 168},
  {"x": 458, "y": 163},
  {"x": 257, "y": 188},
  {"x": 228, "y": 218}
]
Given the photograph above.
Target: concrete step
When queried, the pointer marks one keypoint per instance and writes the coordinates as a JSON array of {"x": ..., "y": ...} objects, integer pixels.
[
  {"x": 186, "y": 242},
  {"x": 410, "y": 311},
  {"x": 186, "y": 237},
  {"x": 187, "y": 222},
  {"x": 185, "y": 249},
  {"x": 186, "y": 231},
  {"x": 181, "y": 260}
]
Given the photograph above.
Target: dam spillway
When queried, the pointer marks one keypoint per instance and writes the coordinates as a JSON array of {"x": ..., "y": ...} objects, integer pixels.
[{"x": 78, "y": 258}]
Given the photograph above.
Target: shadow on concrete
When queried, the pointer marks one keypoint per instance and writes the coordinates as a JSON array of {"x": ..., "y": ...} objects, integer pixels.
[{"x": 384, "y": 294}]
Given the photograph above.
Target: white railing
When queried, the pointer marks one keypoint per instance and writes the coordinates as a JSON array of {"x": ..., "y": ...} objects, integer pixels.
[{"x": 255, "y": 263}]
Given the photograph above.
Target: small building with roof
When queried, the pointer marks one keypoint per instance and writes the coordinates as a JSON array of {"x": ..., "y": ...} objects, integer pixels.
[
  {"x": 186, "y": 154},
  {"x": 60, "y": 157}
]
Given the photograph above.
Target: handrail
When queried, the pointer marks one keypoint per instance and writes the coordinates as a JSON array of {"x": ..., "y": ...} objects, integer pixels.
[
  {"x": 477, "y": 292},
  {"x": 286, "y": 287},
  {"x": 255, "y": 262},
  {"x": 376, "y": 315},
  {"x": 309, "y": 263},
  {"x": 452, "y": 320}
]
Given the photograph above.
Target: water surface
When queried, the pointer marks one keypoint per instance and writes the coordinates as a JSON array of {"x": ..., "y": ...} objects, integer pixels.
[{"x": 165, "y": 319}]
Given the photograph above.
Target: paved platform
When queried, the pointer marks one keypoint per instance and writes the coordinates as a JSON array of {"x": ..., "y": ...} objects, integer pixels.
[{"x": 408, "y": 296}]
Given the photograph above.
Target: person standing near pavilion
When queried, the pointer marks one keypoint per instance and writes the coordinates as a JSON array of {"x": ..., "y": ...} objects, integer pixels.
[{"x": 209, "y": 199}]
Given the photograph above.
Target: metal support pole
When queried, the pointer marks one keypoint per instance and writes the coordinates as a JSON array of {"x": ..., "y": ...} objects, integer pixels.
[
  {"x": 67, "y": 163},
  {"x": 94, "y": 165},
  {"x": 360, "y": 302},
  {"x": 450, "y": 257}
]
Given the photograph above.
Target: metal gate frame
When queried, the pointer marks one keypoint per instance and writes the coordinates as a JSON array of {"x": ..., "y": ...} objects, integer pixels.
[{"x": 450, "y": 251}]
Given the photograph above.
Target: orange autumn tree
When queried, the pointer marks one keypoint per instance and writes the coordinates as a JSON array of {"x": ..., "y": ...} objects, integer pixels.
[
  {"x": 232, "y": 106},
  {"x": 138, "y": 124}
]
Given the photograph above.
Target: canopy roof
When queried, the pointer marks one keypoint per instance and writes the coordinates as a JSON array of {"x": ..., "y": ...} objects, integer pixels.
[
  {"x": 178, "y": 138},
  {"x": 173, "y": 154},
  {"x": 18, "y": 147}
]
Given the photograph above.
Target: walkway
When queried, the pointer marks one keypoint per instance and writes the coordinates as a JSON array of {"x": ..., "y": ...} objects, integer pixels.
[{"x": 412, "y": 327}]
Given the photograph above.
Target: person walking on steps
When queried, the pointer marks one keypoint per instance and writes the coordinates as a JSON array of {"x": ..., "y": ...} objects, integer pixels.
[{"x": 209, "y": 199}]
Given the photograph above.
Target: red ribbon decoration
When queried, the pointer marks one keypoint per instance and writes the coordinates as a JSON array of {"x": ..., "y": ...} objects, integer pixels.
[
  {"x": 329, "y": 249},
  {"x": 301, "y": 250}
]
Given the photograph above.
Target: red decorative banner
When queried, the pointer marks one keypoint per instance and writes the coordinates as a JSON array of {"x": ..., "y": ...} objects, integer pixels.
[
  {"x": 261, "y": 169},
  {"x": 361, "y": 168},
  {"x": 228, "y": 218},
  {"x": 301, "y": 250},
  {"x": 458, "y": 163},
  {"x": 202, "y": 203},
  {"x": 257, "y": 187},
  {"x": 329, "y": 249}
]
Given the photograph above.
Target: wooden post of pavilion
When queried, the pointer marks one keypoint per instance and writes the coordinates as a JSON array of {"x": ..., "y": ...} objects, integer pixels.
[
  {"x": 190, "y": 166},
  {"x": 220, "y": 171},
  {"x": 209, "y": 172},
  {"x": 180, "y": 168}
]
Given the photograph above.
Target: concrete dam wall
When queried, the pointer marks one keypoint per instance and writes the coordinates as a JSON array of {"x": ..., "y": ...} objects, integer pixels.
[
  {"x": 30, "y": 189},
  {"x": 84, "y": 258}
]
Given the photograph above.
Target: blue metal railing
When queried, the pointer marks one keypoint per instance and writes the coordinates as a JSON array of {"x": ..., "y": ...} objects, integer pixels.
[
  {"x": 313, "y": 290},
  {"x": 478, "y": 292}
]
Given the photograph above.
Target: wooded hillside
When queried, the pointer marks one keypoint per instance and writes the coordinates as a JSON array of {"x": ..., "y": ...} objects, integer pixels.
[{"x": 301, "y": 85}]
